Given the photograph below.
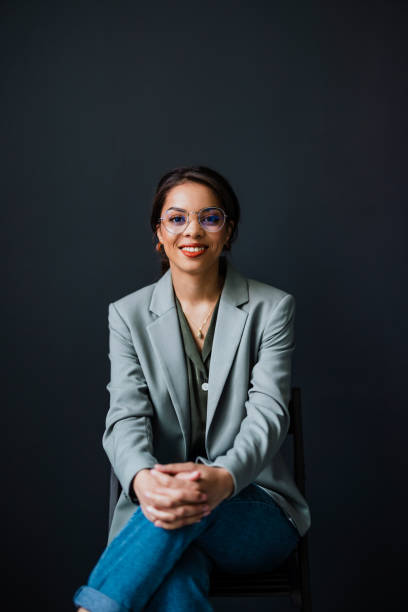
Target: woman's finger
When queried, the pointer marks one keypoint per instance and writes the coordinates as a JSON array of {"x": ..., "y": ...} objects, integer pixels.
[
  {"x": 195, "y": 475},
  {"x": 189, "y": 475},
  {"x": 160, "y": 514},
  {"x": 169, "y": 497},
  {"x": 178, "y": 486},
  {"x": 179, "y": 514},
  {"x": 173, "y": 468},
  {"x": 163, "y": 478}
]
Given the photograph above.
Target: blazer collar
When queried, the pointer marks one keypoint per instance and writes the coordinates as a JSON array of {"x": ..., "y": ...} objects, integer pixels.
[
  {"x": 234, "y": 292},
  {"x": 165, "y": 336}
]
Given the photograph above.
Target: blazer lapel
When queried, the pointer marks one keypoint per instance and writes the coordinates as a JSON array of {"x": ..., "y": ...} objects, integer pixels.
[
  {"x": 227, "y": 336},
  {"x": 165, "y": 336}
]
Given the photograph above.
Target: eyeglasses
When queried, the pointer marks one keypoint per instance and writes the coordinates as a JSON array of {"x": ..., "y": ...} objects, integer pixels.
[{"x": 175, "y": 220}]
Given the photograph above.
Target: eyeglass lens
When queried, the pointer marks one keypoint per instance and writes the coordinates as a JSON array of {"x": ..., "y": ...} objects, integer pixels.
[{"x": 211, "y": 219}]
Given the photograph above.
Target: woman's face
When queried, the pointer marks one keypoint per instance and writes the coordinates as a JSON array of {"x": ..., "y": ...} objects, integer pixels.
[{"x": 192, "y": 197}]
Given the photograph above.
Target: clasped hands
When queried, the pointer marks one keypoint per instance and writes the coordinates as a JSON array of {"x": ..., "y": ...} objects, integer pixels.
[{"x": 175, "y": 494}]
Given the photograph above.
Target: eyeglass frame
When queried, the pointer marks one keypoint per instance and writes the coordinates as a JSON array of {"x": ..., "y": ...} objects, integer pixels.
[{"x": 195, "y": 213}]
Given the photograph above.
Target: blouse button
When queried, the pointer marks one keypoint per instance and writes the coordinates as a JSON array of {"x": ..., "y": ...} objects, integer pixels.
[{"x": 204, "y": 386}]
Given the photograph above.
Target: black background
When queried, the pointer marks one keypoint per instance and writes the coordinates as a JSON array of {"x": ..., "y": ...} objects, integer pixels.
[{"x": 302, "y": 106}]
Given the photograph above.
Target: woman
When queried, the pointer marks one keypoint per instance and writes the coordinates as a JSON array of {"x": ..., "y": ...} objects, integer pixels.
[{"x": 196, "y": 448}]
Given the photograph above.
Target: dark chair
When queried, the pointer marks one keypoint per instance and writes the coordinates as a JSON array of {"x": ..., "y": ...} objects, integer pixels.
[{"x": 292, "y": 577}]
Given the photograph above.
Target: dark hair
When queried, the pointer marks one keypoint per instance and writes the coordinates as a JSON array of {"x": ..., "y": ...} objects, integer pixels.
[{"x": 200, "y": 174}]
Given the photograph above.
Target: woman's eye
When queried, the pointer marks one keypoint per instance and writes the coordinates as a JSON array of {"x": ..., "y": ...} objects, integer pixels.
[
  {"x": 211, "y": 219},
  {"x": 177, "y": 219}
]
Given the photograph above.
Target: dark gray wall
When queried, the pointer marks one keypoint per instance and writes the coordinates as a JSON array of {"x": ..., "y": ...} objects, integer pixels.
[{"x": 302, "y": 106}]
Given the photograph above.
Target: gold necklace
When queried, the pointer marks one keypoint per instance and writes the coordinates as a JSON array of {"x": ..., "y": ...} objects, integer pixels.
[
  {"x": 200, "y": 329},
  {"x": 200, "y": 332}
]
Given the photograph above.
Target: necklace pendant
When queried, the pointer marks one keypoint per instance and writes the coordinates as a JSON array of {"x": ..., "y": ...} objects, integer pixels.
[{"x": 200, "y": 335}]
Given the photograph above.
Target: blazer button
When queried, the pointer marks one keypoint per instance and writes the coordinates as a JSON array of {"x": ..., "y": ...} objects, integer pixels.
[{"x": 204, "y": 386}]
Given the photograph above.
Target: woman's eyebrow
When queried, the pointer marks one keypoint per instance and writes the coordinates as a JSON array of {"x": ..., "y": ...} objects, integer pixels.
[{"x": 184, "y": 210}]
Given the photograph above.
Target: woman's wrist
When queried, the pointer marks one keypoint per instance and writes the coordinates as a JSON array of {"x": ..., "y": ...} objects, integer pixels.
[
  {"x": 228, "y": 481},
  {"x": 137, "y": 480}
]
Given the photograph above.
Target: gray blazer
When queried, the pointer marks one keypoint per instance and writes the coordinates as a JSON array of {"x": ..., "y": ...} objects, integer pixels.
[{"x": 249, "y": 382}]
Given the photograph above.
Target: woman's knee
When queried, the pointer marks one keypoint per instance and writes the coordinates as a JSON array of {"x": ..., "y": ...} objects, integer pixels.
[{"x": 249, "y": 535}]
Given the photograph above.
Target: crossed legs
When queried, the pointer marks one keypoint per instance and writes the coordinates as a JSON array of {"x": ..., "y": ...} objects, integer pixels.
[{"x": 150, "y": 568}]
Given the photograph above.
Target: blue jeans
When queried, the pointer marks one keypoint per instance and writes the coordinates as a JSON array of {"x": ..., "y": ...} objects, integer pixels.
[{"x": 166, "y": 570}]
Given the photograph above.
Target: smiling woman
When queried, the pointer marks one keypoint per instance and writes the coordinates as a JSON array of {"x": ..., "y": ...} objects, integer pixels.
[
  {"x": 193, "y": 226},
  {"x": 199, "y": 393},
  {"x": 194, "y": 194},
  {"x": 192, "y": 229}
]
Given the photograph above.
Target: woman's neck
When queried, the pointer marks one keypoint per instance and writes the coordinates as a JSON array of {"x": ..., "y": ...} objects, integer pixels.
[{"x": 194, "y": 289}]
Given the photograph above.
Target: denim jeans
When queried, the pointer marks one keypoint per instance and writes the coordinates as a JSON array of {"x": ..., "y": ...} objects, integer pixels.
[{"x": 167, "y": 570}]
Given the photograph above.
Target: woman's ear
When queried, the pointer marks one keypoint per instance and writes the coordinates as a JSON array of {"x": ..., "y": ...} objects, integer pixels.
[
  {"x": 230, "y": 229},
  {"x": 158, "y": 233}
]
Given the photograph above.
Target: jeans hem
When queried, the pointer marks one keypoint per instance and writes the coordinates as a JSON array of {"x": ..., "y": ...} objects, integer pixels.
[{"x": 96, "y": 601}]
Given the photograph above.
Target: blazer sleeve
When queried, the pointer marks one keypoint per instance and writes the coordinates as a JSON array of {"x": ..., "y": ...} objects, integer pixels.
[
  {"x": 127, "y": 439},
  {"x": 266, "y": 424}
]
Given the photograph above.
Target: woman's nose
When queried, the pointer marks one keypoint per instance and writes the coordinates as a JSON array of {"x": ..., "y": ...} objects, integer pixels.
[{"x": 193, "y": 226}]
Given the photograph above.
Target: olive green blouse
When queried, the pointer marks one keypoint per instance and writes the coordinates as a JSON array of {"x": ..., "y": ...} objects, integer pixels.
[{"x": 198, "y": 366}]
